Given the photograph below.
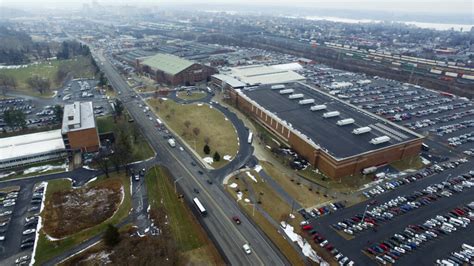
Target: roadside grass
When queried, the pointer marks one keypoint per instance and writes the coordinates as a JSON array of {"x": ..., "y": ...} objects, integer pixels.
[
  {"x": 192, "y": 96},
  {"x": 345, "y": 184},
  {"x": 79, "y": 67},
  {"x": 408, "y": 163},
  {"x": 305, "y": 195},
  {"x": 211, "y": 123},
  {"x": 274, "y": 206},
  {"x": 141, "y": 150},
  {"x": 47, "y": 249},
  {"x": 190, "y": 238}
]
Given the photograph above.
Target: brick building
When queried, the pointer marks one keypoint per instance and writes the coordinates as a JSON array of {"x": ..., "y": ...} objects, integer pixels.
[
  {"x": 79, "y": 128},
  {"x": 299, "y": 116},
  {"x": 174, "y": 70}
]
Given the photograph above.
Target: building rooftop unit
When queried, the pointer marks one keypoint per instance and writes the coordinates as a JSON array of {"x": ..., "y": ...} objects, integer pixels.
[
  {"x": 340, "y": 142},
  {"x": 167, "y": 63},
  {"x": 78, "y": 116},
  {"x": 261, "y": 74},
  {"x": 30, "y": 145}
]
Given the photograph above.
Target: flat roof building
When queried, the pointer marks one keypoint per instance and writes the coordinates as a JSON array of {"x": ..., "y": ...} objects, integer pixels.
[
  {"x": 338, "y": 138},
  {"x": 174, "y": 70},
  {"x": 264, "y": 75},
  {"x": 31, "y": 148},
  {"x": 79, "y": 127}
]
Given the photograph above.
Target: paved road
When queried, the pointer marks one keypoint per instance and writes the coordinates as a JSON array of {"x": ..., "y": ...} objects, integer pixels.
[
  {"x": 352, "y": 248},
  {"x": 227, "y": 235}
]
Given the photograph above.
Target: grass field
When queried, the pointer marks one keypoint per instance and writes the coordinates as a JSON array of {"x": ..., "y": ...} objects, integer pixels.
[
  {"x": 274, "y": 206},
  {"x": 192, "y": 96},
  {"x": 188, "y": 234},
  {"x": 141, "y": 148},
  {"x": 304, "y": 195},
  {"x": 211, "y": 123},
  {"x": 78, "y": 67},
  {"x": 47, "y": 249},
  {"x": 409, "y": 163}
]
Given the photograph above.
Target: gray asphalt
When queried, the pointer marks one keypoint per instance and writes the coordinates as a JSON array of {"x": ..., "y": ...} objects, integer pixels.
[{"x": 228, "y": 236}]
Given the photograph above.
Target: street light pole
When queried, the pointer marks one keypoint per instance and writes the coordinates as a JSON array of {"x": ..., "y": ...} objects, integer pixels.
[
  {"x": 365, "y": 212},
  {"x": 447, "y": 178},
  {"x": 176, "y": 181}
]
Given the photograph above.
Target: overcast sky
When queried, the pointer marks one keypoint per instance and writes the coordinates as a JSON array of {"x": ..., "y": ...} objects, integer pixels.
[{"x": 425, "y": 6}]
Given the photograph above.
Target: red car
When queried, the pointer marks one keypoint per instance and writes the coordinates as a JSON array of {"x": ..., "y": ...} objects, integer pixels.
[
  {"x": 307, "y": 227},
  {"x": 236, "y": 219}
]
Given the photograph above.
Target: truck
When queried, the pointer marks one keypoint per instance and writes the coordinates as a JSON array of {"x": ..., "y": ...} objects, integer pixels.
[
  {"x": 361, "y": 130},
  {"x": 369, "y": 170},
  {"x": 318, "y": 107},
  {"x": 306, "y": 101},
  {"x": 296, "y": 96},
  {"x": 278, "y": 87},
  {"x": 172, "y": 143},
  {"x": 379, "y": 140},
  {"x": 344, "y": 122},
  {"x": 331, "y": 114},
  {"x": 287, "y": 91}
]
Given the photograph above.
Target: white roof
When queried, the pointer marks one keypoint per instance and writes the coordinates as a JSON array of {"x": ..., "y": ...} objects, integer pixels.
[
  {"x": 78, "y": 116},
  {"x": 289, "y": 66},
  {"x": 234, "y": 83},
  {"x": 260, "y": 74},
  {"x": 31, "y": 144}
]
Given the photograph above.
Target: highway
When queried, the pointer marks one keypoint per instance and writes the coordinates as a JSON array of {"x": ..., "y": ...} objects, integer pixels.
[{"x": 228, "y": 236}]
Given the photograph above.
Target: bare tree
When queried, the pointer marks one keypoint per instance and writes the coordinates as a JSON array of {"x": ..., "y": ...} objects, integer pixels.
[
  {"x": 196, "y": 131},
  {"x": 187, "y": 124},
  {"x": 40, "y": 84}
]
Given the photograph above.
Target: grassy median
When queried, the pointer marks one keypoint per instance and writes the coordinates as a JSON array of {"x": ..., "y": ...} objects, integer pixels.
[
  {"x": 47, "y": 249},
  {"x": 185, "y": 229},
  {"x": 191, "y": 95},
  {"x": 199, "y": 124}
]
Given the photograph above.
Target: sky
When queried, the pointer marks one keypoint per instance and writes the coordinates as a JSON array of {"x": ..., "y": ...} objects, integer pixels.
[{"x": 433, "y": 6}]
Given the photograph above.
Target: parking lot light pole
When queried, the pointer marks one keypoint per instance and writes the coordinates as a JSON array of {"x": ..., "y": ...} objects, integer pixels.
[
  {"x": 448, "y": 177},
  {"x": 363, "y": 215},
  {"x": 176, "y": 181}
]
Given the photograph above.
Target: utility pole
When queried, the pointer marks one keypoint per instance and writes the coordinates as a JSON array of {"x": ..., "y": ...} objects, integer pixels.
[{"x": 176, "y": 181}]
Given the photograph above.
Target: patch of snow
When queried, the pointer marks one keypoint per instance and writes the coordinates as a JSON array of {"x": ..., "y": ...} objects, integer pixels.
[
  {"x": 227, "y": 157},
  {"x": 251, "y": 176},
  {"x": 258, "y": 168},
  {"x": 302, "y": 243},
  {"x": 43, "y": 168},
  {"x": 233, "y": 185},
  {"x": 88, "y": 168},
  {"x": 425, "y": 161},
  {"x": 239, "y": 195},
  {"x": 7, "y": 174},
  {"x": 268, "y": 147},
  {"x": 199, "y": 104},
  {"x": 247, "y": 200},
  {"x": 148, "y": 209},
  {"x": 208, "y": 160},
  {"x": 92, "y": 180},
  {"x": 226, "y": 119},
  {"x": 292, "y": 216},
  {"x": 164, "y": 99},
  {"x": 40, "y": 222},
  {"x": 79, "y": 252}
]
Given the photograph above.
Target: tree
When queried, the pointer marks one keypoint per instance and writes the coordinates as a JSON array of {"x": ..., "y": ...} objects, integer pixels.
[
  {"x": 14, "y": 119},
  {"x": 196, "y": 131},
  {"x": 111, "y": 236},
  {"x": 102, "y": 79},
  {"x": 7, "y": 83},
  {"x": 58, "y": 113},
  {"x": 122, "y": 147},
  {"x": 101, "y": 159},
  {"x": 217, "y": 156},
  {"x": 206, "y": 149},
  {"x": 187, "y": 124},
  {"x": 118, "y": 108},
  {"x": 40, "y": 84}
]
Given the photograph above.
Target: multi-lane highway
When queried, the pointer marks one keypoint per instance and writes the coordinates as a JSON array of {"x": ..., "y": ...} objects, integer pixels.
[{"x": 228, "y": 236}]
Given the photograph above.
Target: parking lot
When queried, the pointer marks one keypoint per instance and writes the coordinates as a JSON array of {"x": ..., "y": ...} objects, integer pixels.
[
  {"x": 448, "y": 118},
  {"x": 354, "y": 246},
  {"x": 20, "y": 207}
]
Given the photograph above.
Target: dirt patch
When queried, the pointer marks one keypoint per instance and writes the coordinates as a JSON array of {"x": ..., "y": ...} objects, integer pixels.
[{"x": 70, "y": 211}]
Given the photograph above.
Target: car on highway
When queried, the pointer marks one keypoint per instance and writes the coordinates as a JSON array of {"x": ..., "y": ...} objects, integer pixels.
[
  {"x": 247, "y": 249},
  {"x": 236, "y": 219},
  {"x": 209, "y": 181},
  {"x": 195, "y": 190}
]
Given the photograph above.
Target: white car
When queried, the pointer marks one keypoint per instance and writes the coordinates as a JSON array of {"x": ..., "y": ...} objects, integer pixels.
[
  {"x": 247, "y": 249},
  {"x": 29, "y": 231},
  {"x": 22, "y": 259},
  {"x": 2, "y": 238}
]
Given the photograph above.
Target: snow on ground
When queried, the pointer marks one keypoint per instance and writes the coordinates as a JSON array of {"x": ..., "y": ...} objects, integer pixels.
[
  {"x": 247, "y": 200},
  {"x": 7, "y": 174},
  {"x": 40, "y": 222},
  {"x": 208, "y": 160},
  {"x": 292, "y": 216},
  {"x": 199, "y": 104},
  {"x": 251, "y": 176},
  {"x": 233, "y": 185},
  {"x": 88, "y": 168},
  {"x": 92, "y": 180},
  {"x": 226, "y": 119},
  {"x": 43, "y": 168},
  {"x": 227, "y": 157},
  {"x": 308, "y": 251},
  {"x": 239, "y": 195},
  {"x": 258, "y": 168}
]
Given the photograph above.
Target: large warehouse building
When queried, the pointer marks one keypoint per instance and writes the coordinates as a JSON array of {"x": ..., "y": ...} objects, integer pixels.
[
  {"x": 337, "y": 138},
  {"x": 174, "y": 70},
  {"x": 31, "y": 148},
  {"x": 79, "y": 128}
]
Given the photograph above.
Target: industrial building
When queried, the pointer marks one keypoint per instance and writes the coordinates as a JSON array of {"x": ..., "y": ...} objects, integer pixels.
[
  {"x": 261, "y": 75},
  {"x": 79, "y": 129},
  {"x": 26, "y": 149},
  {"x": 336, "y": 137},
  {"x": 174, "y": 70}
]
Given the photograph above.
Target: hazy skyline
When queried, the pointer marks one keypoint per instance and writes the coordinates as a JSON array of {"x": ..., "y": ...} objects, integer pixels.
[{"x": 440, "y": 7}]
